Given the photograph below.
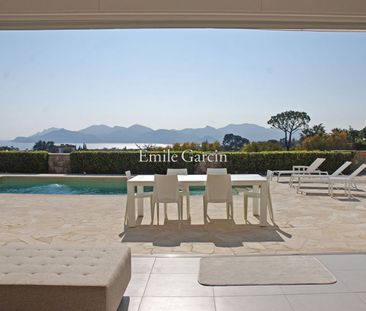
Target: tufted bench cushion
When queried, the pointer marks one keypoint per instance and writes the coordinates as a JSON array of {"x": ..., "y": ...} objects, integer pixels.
[{"x": 67, "y": 278}]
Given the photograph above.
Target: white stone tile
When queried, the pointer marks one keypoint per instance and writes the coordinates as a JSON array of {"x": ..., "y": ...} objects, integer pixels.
[
  {"x": 338, "y": 287},
  {"x": 252, "y": 303},
  {"x": 180, "y": 285},
  {"x": 142, "y": 264},
  {"x": 362, "y": 296},
  {"x": 327, "y": 302},
  {"x": 176, "y": 265},
  {"x": 177, "y": 304},
  {"x": 354, "y": 280},
  {"x": 246, "y": 290},
  {"x": 344, "y": 262},
  {"x": 137, "y": 285}
]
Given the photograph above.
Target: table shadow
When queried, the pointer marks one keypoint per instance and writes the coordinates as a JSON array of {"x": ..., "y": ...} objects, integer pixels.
[{"x": 222, "y": 233}]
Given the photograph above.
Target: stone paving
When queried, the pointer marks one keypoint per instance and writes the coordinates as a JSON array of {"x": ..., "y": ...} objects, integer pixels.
[
  {"x": 159, "y": 284},
  {"x": 312, "y": 223}
]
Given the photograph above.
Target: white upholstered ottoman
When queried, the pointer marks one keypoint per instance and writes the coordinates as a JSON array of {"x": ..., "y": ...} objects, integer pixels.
[{"x": 67, "y": 278}]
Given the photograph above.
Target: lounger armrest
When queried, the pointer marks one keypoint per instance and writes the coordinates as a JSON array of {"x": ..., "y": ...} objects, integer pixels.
[
  {"x": 322, "y": 172},
  {"x": 299, "y": 167},
  {"x": 311, "y": 174},
  {"x": 316, "y": 173}
]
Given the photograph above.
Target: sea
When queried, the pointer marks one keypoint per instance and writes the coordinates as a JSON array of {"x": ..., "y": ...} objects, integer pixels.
[{"x": 101, "y": 146}]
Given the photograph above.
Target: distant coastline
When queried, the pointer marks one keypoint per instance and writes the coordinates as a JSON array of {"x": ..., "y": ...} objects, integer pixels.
[
  {"x": 142, "y": 134},
  {"x": 101, "y": 146}
]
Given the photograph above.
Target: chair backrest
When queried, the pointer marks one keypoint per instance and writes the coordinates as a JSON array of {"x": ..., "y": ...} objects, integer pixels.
[
  {"x": 341, "y": 168},
  {"x": 218, "y": 188},
  {"x": 216, "y": 171},
  {"x": 128, "y": 175},
  {"x": 269, "y": 175},
  {"x": 177, "y": 171},
  {"x": 315, "y": 165},
  {"x": 358, "y": 171},
  {"x": 166, "y": 188}
]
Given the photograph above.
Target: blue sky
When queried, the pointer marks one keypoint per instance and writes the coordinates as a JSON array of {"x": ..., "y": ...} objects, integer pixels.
[{"x": 178, "y": 78}]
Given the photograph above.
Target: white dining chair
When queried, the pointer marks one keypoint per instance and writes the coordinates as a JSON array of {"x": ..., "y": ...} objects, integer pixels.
[
  {"x": 218, "y": 190},
  {"x": 216, "y": 171},
  {"x": 166, "y": 190},
  {"x": 137, "y": 195},
  {"x": 177, "y": 171},
  {"x": 256, "y": 195},
  {"x": 184, "y": 189}
]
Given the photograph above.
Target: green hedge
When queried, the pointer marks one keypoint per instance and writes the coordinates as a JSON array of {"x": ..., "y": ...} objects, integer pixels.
[
  {"x": 104, "y": 162},
  {"x": 23, "y": 162},
  {"x": 260, "y": 162},
  {"x": 117, "y": 162}
]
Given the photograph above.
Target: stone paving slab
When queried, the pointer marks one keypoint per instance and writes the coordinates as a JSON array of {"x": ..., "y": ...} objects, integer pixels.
[
  {"x": 161, "y": 288},
  {"x": 313, "y": 223}
]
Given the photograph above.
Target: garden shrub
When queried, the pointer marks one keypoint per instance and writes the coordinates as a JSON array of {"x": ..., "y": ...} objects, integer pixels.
[
  {"x": 23, "y": 162},
  {"x": 260, "y": 162},
  {"x": 117, "y": 162}
]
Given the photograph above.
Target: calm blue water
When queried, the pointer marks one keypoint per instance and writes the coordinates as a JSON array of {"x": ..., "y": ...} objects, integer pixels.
[
  {"x": 62, "y": 186},
  {"x": 58, "y": 189},
  {"x": 106, "y": 186}
]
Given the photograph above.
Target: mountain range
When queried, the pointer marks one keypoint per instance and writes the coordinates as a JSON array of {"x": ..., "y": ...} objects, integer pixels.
[{"x": 142, "y": 134}]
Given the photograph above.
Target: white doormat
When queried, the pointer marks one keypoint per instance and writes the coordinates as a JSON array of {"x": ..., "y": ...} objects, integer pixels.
[{"x": 263, "y": 270}]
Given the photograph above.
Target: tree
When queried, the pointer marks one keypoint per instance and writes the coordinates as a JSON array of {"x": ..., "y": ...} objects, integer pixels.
[
  {"x": 289, "y": 122},
  {"x": 215, "y": 146},
  {"x": 354, "y": 134},
  {"x": 7, "y": 148},
  {"x": 317, "y": 129},
  {"x": 233, "y": 142},
  {"x": 206, "y": 146},
  {"x": 44, "y": 146},
  {"x": 363, "y": 132},
  {"x": 270, "y": 145},
  {"x": 336, "y": 140}
]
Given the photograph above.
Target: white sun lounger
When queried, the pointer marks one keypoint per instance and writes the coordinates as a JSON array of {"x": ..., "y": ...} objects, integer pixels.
[
  {"x": 348, "y": 181},
  {"x": 318, "y": 178},
  {"x": 311, "y": 169}
]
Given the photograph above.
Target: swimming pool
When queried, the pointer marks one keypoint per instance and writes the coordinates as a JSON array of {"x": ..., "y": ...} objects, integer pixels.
[
  {"x": 68, "y": 184},
  {"x": 63, "y": 184}
]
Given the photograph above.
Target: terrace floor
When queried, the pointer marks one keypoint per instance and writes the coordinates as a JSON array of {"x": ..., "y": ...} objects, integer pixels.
[
  {"x": 160, "y": 283},
  {"x": 312, "y": 223}
]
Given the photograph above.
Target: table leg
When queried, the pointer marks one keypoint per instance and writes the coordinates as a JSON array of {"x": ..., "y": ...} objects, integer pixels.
[
  {"x": 255, "y": 201},
  {"x": 140, "y": 202},
  {"x": 263, "y": 205},
  {"x": 131, "y": 213}
]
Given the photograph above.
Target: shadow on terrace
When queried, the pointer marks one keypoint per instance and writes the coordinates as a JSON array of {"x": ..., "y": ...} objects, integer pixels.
[{"x": 222, "y": 233}]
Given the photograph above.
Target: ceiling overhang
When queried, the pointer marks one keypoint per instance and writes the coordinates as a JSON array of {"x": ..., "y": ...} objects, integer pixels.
[{"x": 259, "y": 14}]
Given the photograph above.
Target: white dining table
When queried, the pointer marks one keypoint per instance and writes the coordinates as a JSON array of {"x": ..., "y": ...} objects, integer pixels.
[{"x": 258, "y": 182}]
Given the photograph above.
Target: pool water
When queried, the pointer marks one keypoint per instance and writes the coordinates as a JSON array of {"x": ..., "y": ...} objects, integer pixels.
[{"x": 70, "y": 185}]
